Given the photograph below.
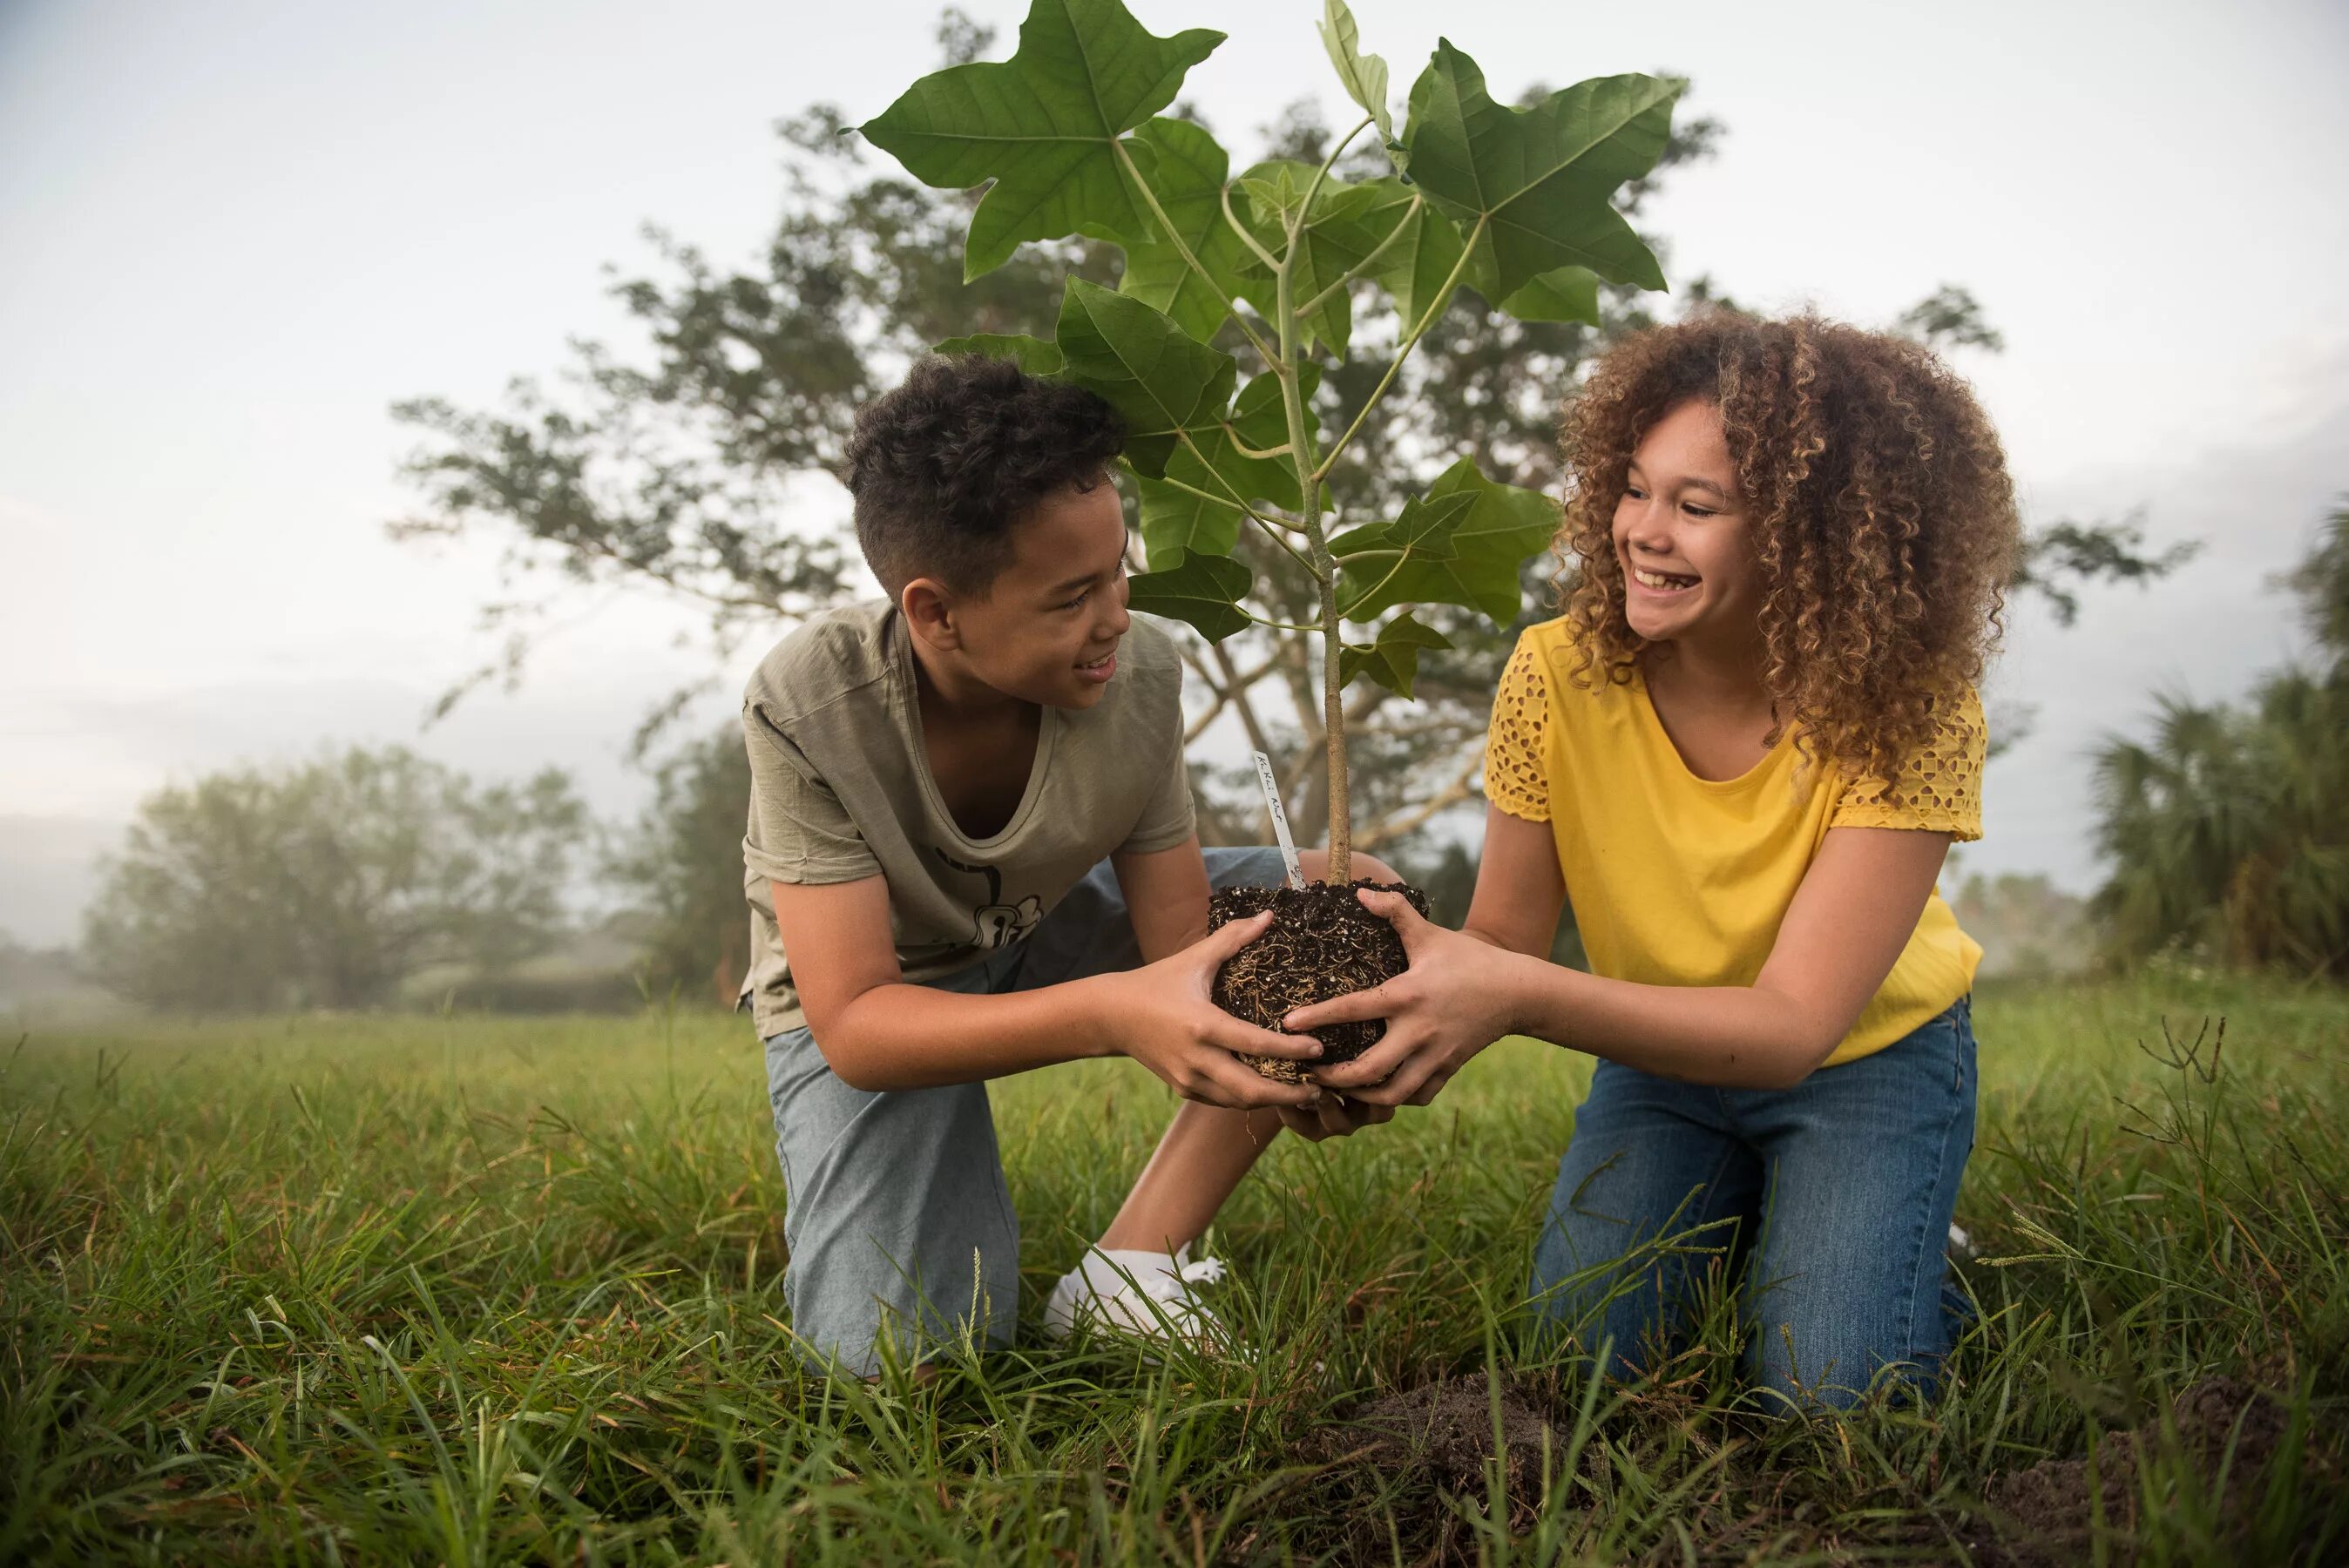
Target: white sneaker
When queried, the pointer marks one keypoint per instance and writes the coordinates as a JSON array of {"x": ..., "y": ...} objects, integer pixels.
[{"x": 1146, "y": 1294}]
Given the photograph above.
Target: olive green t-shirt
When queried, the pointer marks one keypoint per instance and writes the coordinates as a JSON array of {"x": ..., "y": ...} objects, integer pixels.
[{"x": 841, "y": 790}]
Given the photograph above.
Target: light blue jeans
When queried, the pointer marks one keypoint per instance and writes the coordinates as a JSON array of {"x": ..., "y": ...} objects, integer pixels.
[
  {"x": 896, "y": 1212},
  {"x": 1834, "y": 1196}
]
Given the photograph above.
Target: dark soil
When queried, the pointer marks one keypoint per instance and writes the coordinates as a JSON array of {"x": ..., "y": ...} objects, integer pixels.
[
  {"x": 1445, "y": 1431},
  {"x": 1322, "y": 943},
  {"x": 2047, "y": 1512}
]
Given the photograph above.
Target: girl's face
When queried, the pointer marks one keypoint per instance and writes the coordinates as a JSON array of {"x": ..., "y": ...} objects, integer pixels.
[{"x": 1689, "y": 570}]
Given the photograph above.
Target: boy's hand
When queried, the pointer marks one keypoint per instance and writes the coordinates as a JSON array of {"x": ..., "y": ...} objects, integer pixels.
[
  {"x": 1449, "y": 1005},
  {"x": 1165, "y": 1019}
]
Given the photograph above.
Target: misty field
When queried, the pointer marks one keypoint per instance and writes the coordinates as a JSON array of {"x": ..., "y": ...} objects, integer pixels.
[{"x": 497, "y": 1290}]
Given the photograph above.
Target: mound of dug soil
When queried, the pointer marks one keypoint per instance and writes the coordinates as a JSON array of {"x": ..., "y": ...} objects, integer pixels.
[
  {"x": 1446, "y": 1431},
  {"x": 2051, "y": 1507},
  {"x": 1322, "y": 943}
]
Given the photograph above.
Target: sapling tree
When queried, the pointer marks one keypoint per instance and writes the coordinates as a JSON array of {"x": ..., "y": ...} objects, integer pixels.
[{"x": 1517, "y": 203}]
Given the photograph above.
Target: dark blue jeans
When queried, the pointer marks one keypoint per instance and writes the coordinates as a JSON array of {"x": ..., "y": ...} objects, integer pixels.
[{"x": 1834, "y": 1196}]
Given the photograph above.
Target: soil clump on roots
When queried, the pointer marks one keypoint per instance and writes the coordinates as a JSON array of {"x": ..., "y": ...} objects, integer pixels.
[{"x": 1321, "y": 944}]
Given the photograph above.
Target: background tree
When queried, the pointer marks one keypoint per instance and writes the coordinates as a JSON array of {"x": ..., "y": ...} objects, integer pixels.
[
  {"x": 2228, "y": 831},
  {"x": 682, "y": 867},
  {"x": 2028, "y": 927},
  {"x": 327, "y": 884},
  {"x": 675, "y": 473}
]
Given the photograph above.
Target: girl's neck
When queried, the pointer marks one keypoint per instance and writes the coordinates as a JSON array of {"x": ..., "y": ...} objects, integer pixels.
[{"x": 1716, "y": 673}]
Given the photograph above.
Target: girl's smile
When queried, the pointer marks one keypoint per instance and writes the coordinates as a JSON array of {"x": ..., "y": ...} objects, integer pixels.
[
  {"x": 1667, "y": 583},
  {"x": 1680, "y": 534}
]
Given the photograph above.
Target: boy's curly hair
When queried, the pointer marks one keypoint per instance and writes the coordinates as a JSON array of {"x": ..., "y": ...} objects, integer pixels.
[
  {"x": 1879, "y": 504},
  {"x": 944, "y": 465}
]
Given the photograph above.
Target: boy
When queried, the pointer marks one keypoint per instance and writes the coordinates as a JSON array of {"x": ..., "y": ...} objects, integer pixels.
[{"x": 969, "y": 821}]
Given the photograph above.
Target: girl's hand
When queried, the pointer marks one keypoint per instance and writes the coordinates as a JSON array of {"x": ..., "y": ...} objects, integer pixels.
[{"x": 1453, "y": 1002}]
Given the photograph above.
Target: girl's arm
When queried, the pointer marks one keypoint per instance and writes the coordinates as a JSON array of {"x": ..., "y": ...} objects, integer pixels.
[{"x": 1844, "y": 931}]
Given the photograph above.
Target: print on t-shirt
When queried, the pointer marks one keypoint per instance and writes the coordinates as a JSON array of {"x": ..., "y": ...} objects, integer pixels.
[{"x": 999, "y": 924}]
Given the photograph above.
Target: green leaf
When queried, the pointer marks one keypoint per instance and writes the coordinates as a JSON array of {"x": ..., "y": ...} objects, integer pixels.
[
  {"x": 1204, "y": 589},
  {"x": 1370, "y": 558},
  {"x": 1364, "y": 76},
  {"x": 1162, "y": 380},
  {"x": 1413, "y": 269},
  {"x": 1542, "y": 180},
  {"x": 1393, "y": 660},
  {"x": 1569, "y": 294},
  {"x": 1033, "y": 354},
  {"x": 1176, "y": 520},
  {"x": 1424, "y": 530},
  {"x": 1339, "y": 231},
  {"x": 1470, "y": 558},
  {"x": 1187, "y": 176},
  {"x": 1044, "y": 126}
]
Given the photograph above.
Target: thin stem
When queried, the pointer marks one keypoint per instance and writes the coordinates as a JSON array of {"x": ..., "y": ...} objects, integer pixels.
[
  {"x": 1247, "y": 239},
  {"x": 1325, "y": 568},
  {"x": 1283, "y": 544},
  {"x": 1362, "y": 267},
  {"x": 1434, "y": 308},
  {"x": 1314, "y": 185},
  {"x": 1244, "y": 449},
  {"x": 1224, "y": 502},
  {"x": 1276, "y": 625},
  {"x": 1236, "y": 502},
  {"x": 1365, "y": 598},
  {"x": 1231, "y": 497},
  {"x": 1183, "y": 247}
]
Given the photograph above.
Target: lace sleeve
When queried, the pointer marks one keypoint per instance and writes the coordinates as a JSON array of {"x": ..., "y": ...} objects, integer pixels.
[
  {"x": 1939, "y": 790},
  {"x": 1515, "y": 778}
]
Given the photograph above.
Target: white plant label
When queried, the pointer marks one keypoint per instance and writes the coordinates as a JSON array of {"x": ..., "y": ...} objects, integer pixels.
[{"x": 1279, "y": 819}]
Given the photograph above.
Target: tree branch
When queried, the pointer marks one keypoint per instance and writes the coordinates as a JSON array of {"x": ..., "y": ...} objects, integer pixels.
[{"x": 1462, "y": 788}]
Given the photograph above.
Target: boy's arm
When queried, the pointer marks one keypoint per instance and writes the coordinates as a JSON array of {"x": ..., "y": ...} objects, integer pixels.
[
  {"x": 877, "y": 1032},
  {"x": 1166, "y": 897}
]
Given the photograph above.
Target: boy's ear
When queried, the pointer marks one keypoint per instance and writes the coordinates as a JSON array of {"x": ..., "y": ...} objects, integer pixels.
[{"x": 929, "y": 610}]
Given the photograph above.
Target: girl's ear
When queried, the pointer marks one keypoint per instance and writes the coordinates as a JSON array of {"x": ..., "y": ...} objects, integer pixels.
[{"x": 929, "y": 612}]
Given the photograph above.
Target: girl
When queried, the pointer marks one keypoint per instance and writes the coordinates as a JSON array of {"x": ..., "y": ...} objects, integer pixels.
[{"x": 1743, "y": 751}]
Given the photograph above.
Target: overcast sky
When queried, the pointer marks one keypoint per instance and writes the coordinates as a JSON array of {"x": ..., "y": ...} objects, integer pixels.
[{"x": 231, "y": 235}]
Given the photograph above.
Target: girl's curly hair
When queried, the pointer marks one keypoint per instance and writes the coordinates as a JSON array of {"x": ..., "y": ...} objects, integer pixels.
[{"x": 1879, "y": 504}]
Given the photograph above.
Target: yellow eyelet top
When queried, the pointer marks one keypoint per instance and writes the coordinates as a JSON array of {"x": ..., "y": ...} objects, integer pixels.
[{"x": 1682, "y": 880}]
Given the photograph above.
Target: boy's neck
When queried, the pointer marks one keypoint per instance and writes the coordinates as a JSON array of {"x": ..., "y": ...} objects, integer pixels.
[{"x": 948, "y": 690}]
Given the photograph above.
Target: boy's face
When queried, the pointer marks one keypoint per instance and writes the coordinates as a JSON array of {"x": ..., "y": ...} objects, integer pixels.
[{"x": 1047, "y": 630}]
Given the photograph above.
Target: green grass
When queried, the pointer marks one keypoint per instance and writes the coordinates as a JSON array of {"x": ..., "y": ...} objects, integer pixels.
[{"x": 484, "y": 1290}]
